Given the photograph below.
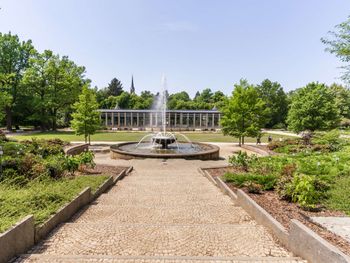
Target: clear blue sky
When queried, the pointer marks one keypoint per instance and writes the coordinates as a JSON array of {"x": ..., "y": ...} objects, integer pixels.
[{"x": 197, "y": 44}]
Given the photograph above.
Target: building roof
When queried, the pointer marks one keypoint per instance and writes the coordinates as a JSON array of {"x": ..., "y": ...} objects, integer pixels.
[{"x": 177, "y": 111}]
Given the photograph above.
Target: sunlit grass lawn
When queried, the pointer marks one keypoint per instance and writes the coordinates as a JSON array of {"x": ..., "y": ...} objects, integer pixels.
[
  {"x": 136, "y": 136},
  {"x": 40, "y": 198}
]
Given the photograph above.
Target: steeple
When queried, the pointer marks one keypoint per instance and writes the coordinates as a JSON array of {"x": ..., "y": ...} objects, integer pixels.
[{"x": 132, "y": 88}]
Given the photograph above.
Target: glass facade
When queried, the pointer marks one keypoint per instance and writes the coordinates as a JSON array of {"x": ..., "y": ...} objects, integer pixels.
[{"x": 175, "y": 119}]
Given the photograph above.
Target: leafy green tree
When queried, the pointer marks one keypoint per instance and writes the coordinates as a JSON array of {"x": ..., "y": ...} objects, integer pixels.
[
  {"x": 55, "y": 83},
  {"x": 219, "y": 100},
  {"x": 245, "y": 113},
  {"x": 276, "y": 100},
  {"x": 205, "y": 96},
  {"x": 339, "y": 45},
  {"x": 37, "y": 80},
  {"x": 86, "y": 118},
  {"x": 114, "y": 88},
  {"x": 177, "y": 98},
  {"x": 313, "y": 107},
  {"x": 14, "y": 57},
  {"x": 5, "y": 98},
  {"x": 342, "y": 99},
  {"x": 66, "y": 80}
]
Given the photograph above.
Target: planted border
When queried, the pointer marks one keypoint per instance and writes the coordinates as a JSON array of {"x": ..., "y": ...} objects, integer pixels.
[
  {"x": 23, "y": 235},
  {"x": 301, "y": 240}
]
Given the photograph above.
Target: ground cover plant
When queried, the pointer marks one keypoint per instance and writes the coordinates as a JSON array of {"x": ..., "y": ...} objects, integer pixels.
[
  {"x": 316, "y": 176},
  {"x": 37, "y": 178}
]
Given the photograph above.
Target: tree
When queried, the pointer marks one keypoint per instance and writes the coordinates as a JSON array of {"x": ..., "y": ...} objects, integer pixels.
[
  {"x": 66, "y": 80},
  {"x": 114, "y": 88},
  {"x": 14, "y": 57},
  {"x": 342, "y": 99},
  {"x": 37, "y": 80},
  {"x": 86, "y": 118},
  {"x": 313, "y": 107},
  {"x": 176, "y": 99},
  {"x": 205, "y": 96},
  {"x": 245, "y": 113},
  {"x": 5, "y": 98},
  {"x": 340, "y": 46},
  {"x": 276, "y": 100}
]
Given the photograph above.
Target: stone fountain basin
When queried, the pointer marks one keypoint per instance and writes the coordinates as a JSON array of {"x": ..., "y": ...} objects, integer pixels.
[{"x": 205, "y": 152}]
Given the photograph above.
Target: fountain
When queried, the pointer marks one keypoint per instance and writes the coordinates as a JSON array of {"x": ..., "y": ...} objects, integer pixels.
[{"x": 164, "y": 144}]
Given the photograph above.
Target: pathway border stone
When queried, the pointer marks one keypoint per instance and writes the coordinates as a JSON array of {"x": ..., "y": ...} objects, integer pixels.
[{"x": 301, "y": 240}]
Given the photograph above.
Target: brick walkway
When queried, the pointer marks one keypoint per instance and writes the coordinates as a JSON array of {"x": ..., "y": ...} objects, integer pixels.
[{"x": 162, "y": 212}]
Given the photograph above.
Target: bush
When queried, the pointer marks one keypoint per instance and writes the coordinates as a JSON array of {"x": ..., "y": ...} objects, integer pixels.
[
  {"x": 55, "y": 166},
  {"x": 45, "y": 148},
  {"x": 71, "y": 163},
  {"x": 267, "y": 182},
  {"x": 307, "y": 190},
  {"x": 3, "y": 137},
  {"x": 285, "y": 178},
  {"x": 331, "y": 139},
  {"x": 87, "y": 158},
  {"x": 242, "y": 160}
]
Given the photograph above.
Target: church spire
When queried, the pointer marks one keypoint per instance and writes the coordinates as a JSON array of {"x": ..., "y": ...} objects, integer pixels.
[{"x": 132, "y": 88}]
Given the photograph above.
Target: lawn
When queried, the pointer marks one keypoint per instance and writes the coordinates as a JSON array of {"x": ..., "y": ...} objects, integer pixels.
[
  {"x": 40, "y": 198},
  {"x": 136, "y": 136}
]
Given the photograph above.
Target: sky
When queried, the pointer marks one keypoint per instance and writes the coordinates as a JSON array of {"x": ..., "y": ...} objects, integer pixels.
[{"x": 196, "y": 44}]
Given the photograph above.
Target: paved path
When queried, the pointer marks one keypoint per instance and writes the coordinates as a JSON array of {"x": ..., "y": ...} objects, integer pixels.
[{"x": 161, "y": 212}]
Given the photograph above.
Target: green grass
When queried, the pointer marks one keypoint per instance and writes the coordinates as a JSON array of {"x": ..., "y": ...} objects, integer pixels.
[
  {"x": 41, "y": 198},
  {"x": 136, "y": 136}
]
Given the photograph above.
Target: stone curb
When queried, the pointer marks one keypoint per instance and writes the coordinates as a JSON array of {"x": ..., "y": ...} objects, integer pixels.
[
  {"x": 263, "y": 217},
  {"x": 18, "y": 239},
  {"x": 66, "y": 212},
  {"x": 207, "y": 175},
  {"x": 76, "y": 149},
  {"x": 300, "y": 240},
  {"x": 307, "y": 244},
  {"x": 224, "y": 188},
  {"x": 63, "y": 214},
  {"x": 103, "y": 187},
  {"x": 22, "y": 236}
]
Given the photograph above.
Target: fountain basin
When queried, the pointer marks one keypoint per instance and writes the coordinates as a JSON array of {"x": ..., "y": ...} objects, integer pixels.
[{"x": 198, "y": 151}]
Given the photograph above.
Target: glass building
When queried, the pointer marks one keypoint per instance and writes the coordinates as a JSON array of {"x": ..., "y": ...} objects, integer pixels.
[{"x": 118, "y": 119}]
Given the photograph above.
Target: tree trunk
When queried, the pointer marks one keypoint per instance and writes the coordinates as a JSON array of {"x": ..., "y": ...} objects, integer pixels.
[
  {"x": 242, "y": 139},
  {"x": 239, "y": 141},
  {"x": 89, "y": 140},
  {"x": 8, "y": 111},
  {"x": 54, "y": 120}
]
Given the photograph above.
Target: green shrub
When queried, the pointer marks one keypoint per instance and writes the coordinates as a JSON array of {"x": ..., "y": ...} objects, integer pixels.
[
  {"x": 242, "y": 160},
  {"x": 331, "y": 139},
  {"x": 307, "y": 190},
  {"x": 55, "y": 166},
  {"x": 284, "y": 179},
  {"x": 87, "y": 158},
  {"x": 267, "y": 182},
  {"x": 13, "y": 149},
  {"x": 71, "y": 163},
  {"x": 44, "y": 148}
]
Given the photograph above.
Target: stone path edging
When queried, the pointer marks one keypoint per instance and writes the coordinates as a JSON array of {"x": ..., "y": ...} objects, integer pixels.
[
  {"x": 306, "y": 243},
  {"x": 18, "y": 239},
  {"x": 22, "y": 236},
  {"x": 301, "y": 240}
]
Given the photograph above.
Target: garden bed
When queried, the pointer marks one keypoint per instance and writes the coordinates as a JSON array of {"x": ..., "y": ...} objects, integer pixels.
[
  {"x": 283, "y": 211},
  {"x": 44, "y": 198}
]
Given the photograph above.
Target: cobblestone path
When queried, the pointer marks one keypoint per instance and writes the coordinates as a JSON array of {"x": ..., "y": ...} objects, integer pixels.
[{"x": 162, "y": 212}]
